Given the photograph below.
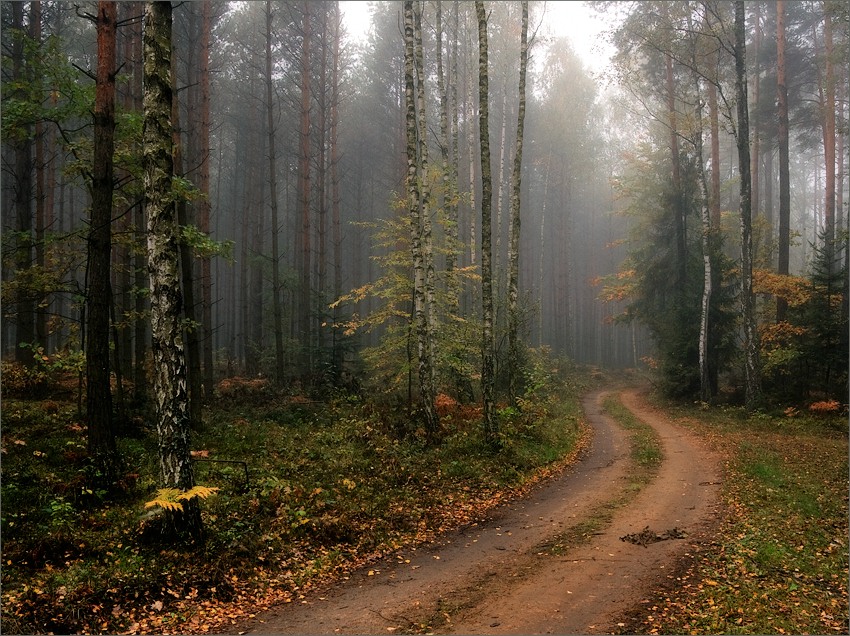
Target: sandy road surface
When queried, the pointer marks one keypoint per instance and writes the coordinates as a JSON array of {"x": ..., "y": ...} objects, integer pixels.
[{"x": 499, "y": 578}]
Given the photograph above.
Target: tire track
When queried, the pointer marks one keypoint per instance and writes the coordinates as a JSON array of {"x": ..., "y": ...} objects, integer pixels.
[{"x": 494, "y": 577}]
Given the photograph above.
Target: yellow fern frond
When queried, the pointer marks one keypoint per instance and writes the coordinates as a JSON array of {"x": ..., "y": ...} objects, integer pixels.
[
  {"x": 167, "y": 499},
  {"x": 198, "y": 491},
  {"x": 171, "y": 498}
]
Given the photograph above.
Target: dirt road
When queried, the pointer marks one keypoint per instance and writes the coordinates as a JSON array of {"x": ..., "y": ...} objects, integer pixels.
[{"x": 502, "y": 578}]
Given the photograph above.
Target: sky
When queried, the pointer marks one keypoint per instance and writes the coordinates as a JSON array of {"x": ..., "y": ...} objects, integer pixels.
[{"x": 571, "y": 19}]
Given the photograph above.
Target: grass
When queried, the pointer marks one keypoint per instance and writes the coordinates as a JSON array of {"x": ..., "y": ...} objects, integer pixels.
[
  {"x": 332, "y": 485},
  {"x": 779, "y": 560}
]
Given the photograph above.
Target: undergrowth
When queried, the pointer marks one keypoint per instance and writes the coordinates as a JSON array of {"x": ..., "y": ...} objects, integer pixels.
[{"x": 330, "y": 486}]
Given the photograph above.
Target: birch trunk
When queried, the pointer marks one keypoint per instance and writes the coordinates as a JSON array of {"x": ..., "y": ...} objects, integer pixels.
[
  {"x": 516, "y": 189},
  {"x": 705, "y": 380},
  {"x": 425, "y": 208},
  {"x": 488, "y": 363},
  {"x": 415, "y": 179},
  {"x": 169, "y": 365}
]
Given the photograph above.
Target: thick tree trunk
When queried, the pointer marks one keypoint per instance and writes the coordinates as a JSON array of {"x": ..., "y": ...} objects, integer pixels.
[
  {"x": 101, "y": 437},
  {"x": 752, "y": 371},
  {"x": 417, "y": 207},
  {"x": 488, "y": 379},
  {"x": 516, "y": 189},
  {"x": 169, "y": 381},
  {"x": 425, "y": 209}
]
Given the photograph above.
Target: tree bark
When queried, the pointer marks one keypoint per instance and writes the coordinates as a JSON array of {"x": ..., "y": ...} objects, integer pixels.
[
  {"x": 277, "y": 312},
  {"x": 187, "y": 273},
  {"x": 425, "y": 207},
  {"x": 169, "y": 381},
  {"x": 101, "y": 436},
  {"x": 705, "y": 376},
  {"x": 715, "y": 154},
  {"x": 204, "y": 205},
  {"x": 25, "y": 305},
  {"x": 305, "y": 194},
  {"x": 829, "y": 139},
  {"x": 488, "y": 379},
  {"x": 40, "y": 193},
  {"x": 516, "y": 189},
  {"x": 752, "y": 371},
  {"x": 784, "y": 246},
  {"x": 335, "y": 187},
  {"x": 416, "y": 205},
  {"x": 677, "y": 203}
]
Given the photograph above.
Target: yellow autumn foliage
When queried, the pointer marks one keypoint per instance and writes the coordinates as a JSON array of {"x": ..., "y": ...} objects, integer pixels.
[
  {"x": 794, "y": 289},
  {"x": 171, "y": 498}
]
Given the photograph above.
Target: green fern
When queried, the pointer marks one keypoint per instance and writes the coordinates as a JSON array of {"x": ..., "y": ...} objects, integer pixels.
[{"x": 171, "y": 498}]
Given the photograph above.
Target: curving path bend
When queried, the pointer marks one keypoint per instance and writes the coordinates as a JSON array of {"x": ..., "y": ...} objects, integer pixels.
[{"x": 500, "y": 578}]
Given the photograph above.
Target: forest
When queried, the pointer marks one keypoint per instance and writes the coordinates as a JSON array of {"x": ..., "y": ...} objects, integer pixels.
[{"x": 283, "y": 294}]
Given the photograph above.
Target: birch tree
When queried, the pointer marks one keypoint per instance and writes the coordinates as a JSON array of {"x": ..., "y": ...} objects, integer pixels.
[
  {"x": 169, "y": 365},
  {"x": 516, "y": 187},
  {"x": 488, "y": 379},
  {"x": 417, "y": 200},
  {"x": 752, "y": 373}
]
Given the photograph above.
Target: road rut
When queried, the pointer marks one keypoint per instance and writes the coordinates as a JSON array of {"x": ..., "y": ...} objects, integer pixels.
[{"x": 499, "y": 577}]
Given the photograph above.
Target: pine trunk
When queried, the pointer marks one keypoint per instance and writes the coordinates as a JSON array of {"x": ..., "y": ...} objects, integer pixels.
[
  {"x": 337, "y": 360},
  {"x": 277, "y": 312},
  {"x": 305, "y": 195},
  {"x": 784, "y": 246},
  {"x": 101, "y": 438},
  {"x": 204, "y": 204},
  {"x": 25, "y": 305},
  {"x": 829, "y": 140},
  {"x": 187, "y": 274},
  {"x": 752, "y": 372}
]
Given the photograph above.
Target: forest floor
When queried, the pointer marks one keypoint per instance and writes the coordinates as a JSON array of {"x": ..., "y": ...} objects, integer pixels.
[
  {"x": 575, "y": 556},
  {"x": 613, "y": 512}
]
